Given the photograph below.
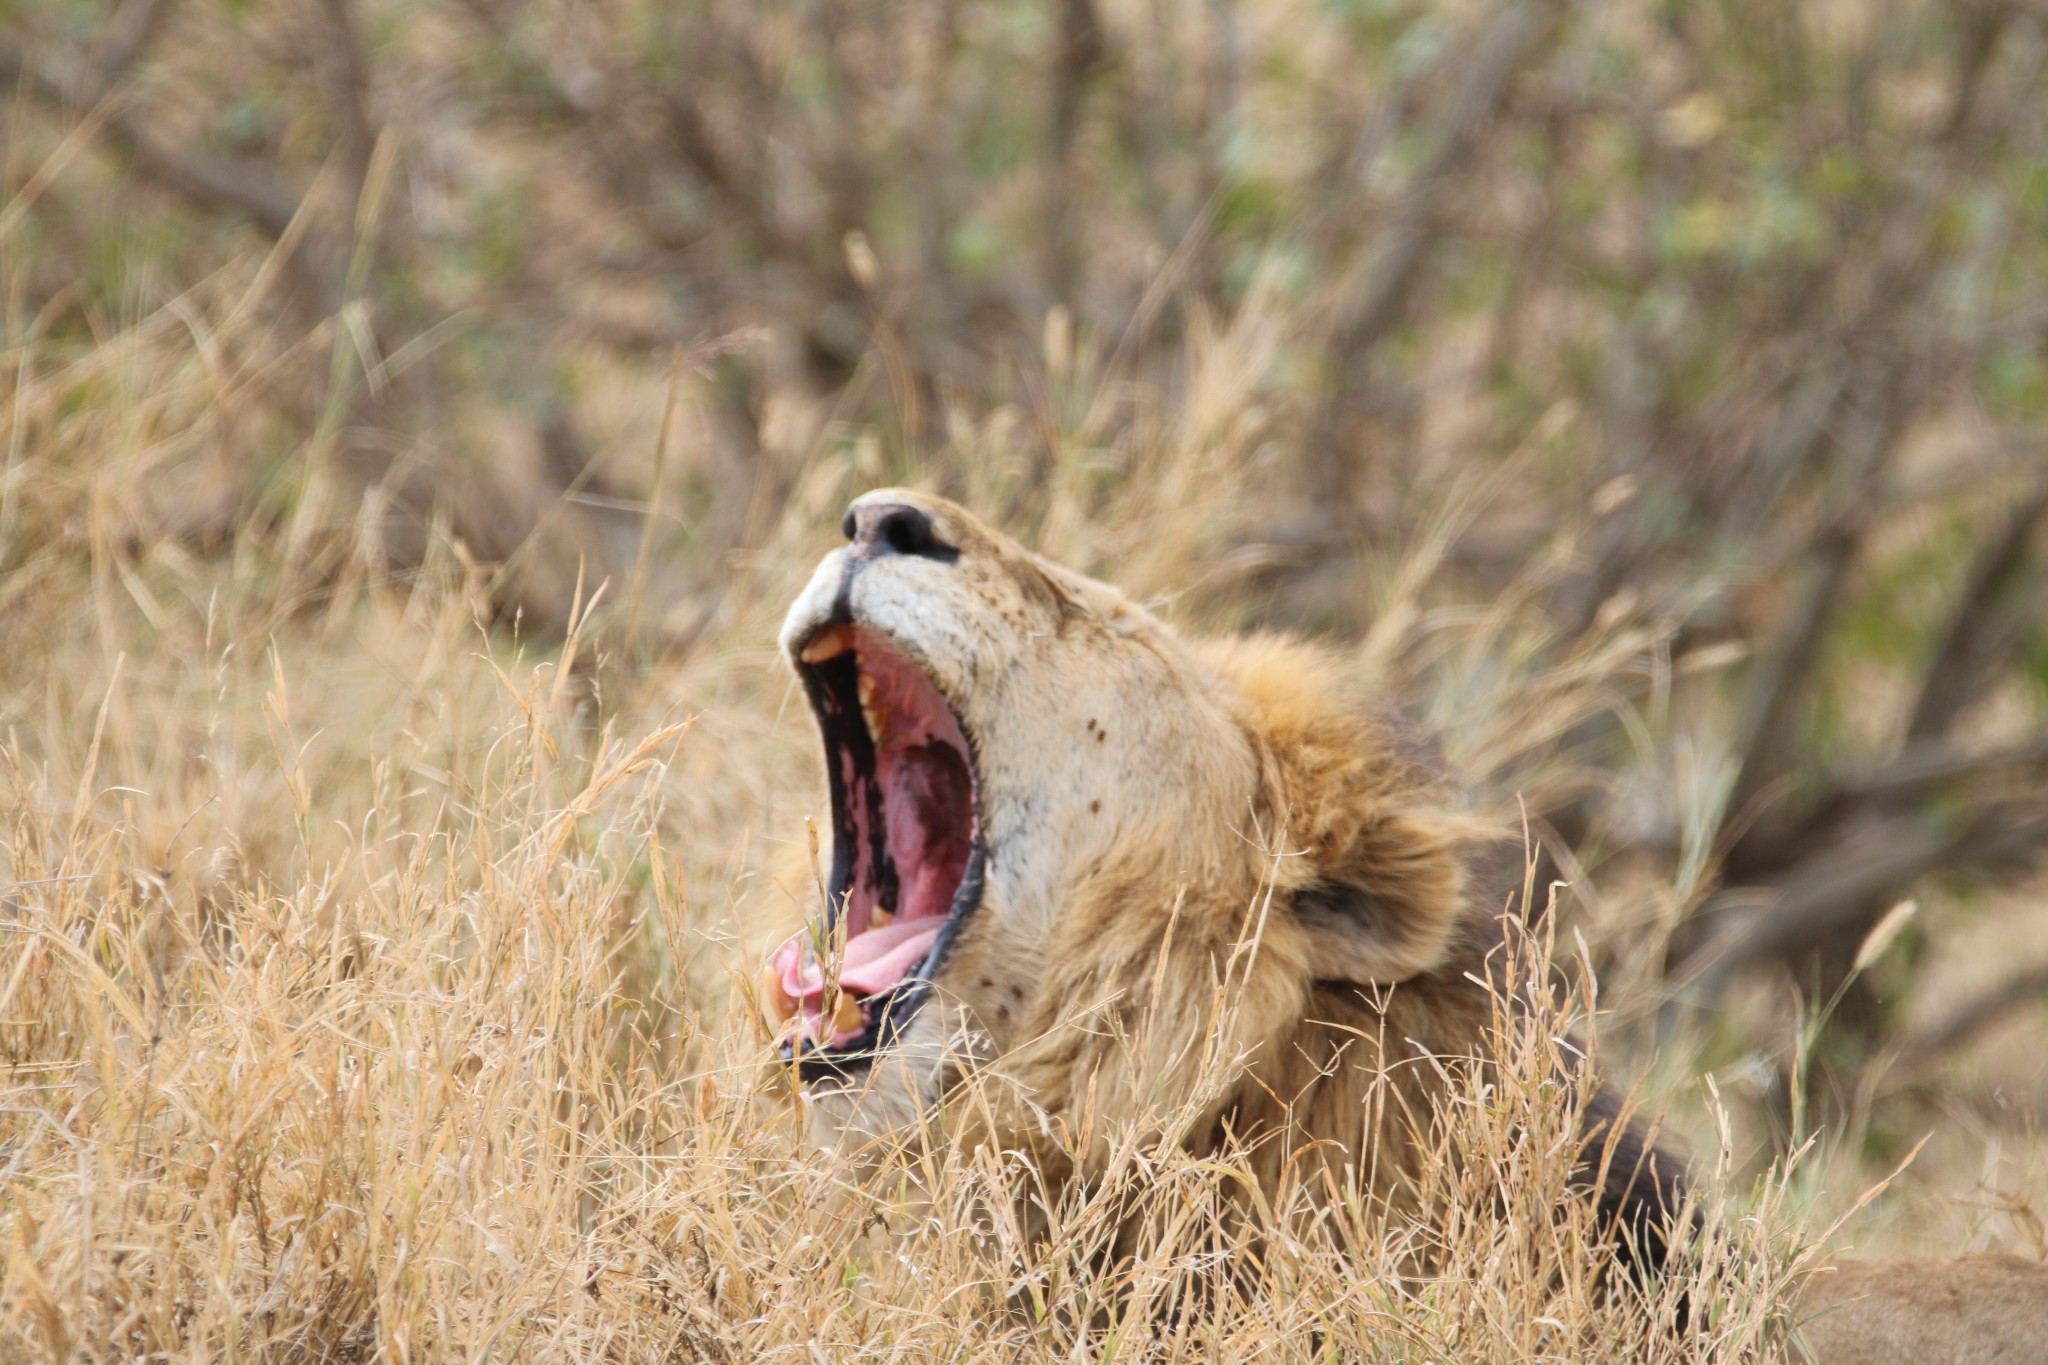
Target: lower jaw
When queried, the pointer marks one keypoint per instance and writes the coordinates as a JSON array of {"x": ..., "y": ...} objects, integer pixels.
[{"x": 890, "y": 1012}]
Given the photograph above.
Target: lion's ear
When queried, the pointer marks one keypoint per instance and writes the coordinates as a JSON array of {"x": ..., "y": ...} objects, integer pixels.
[{"x": 1385, "y": 910}]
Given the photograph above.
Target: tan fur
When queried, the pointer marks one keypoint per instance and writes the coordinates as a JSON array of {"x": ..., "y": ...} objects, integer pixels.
[
  {"x": 1977, "y": 1310},
  {"x": 1219, "y": 887}
]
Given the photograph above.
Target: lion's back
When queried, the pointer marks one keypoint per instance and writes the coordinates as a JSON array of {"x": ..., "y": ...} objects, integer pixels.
[{"x": 1989, "y": 1309}]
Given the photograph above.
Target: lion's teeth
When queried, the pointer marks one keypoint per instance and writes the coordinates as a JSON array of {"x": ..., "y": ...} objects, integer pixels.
[
  {"x": 876, "y": 717},
  {"x": 847, "y": 1016},
  {"x": 776, "y": 1001},
  {"x": 881, "y": 917},
  {"x": 829, "y": 643}
]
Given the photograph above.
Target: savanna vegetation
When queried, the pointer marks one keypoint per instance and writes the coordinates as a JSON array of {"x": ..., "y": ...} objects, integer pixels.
[{"x": 415, "y": 416}]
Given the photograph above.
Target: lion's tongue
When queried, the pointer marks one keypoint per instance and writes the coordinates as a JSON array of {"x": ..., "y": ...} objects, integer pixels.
[
  {"x": 879, "y": 958},
  {"x": 874, "y": 962}
]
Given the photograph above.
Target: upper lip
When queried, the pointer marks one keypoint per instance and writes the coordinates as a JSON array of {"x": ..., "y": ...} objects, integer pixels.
[{"x": 839, "y": 685}]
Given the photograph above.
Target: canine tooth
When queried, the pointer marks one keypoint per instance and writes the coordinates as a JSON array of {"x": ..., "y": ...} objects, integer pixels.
[
  {"x": 876, "y": 717},
  {"x": 881, "y": 917},
  {"x": 775, "y": 1000},
  {"x": 847, "y": 1016},
  {"x": 829, "y": 643}
]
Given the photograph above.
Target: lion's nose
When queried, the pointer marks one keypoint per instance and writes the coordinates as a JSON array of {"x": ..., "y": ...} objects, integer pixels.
[{"x": 895, "y": 528}]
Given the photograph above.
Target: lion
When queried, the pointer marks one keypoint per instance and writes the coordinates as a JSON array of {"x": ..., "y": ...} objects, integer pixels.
[{"x": 1137, "y": 874}]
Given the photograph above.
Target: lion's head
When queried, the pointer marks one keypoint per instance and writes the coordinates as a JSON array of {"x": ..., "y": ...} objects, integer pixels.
[{"x": 1031, "y": 776}]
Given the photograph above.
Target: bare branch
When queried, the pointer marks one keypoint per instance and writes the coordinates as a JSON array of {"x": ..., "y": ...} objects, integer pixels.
[
  {"x": 239, "y": 187},
  {"x": 1999, "y": 602},
  {"x": 1372, "y": 309},
  {"x": 344, "y": 75},
  {"x": 1927, "y": 766},
  {"x": 1081, "y": 50},
  {"x": 1771, "y": 846},
  {"x": 1829, "y": 890},
  {"x": 1846, "y": 882},
  {"x": 126, "y": 37},
  {"x": 1778, "y": 687},
  {"x": 1964, "y": 1024},
  {"x": 1369, "y": 309}
]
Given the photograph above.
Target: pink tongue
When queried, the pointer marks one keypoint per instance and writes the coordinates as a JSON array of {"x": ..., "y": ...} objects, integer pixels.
[
  {"x": 879, "y": 958},
  {"x": 874, "y": 962}
]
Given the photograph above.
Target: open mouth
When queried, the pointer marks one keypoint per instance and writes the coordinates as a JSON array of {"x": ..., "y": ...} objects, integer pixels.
[{"x": 906, "y": 853}]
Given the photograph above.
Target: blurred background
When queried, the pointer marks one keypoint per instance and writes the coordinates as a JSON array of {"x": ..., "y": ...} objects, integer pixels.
[{"x": 1653, "y": 394}]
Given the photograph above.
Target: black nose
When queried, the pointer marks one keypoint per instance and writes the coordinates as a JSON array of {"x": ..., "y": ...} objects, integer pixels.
[{"x": 894, "y": 528}]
